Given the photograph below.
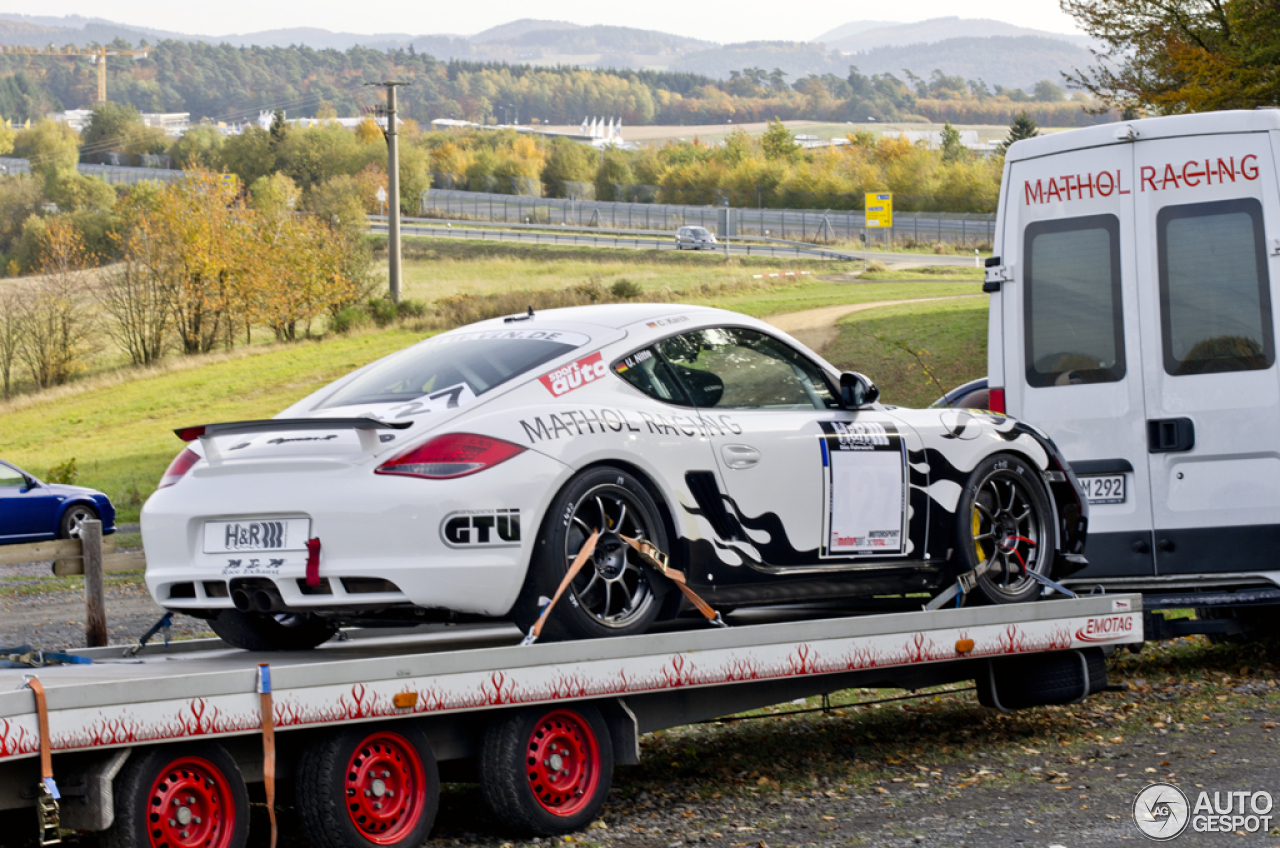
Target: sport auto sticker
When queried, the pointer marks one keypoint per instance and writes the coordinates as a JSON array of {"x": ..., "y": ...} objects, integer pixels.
[
  {"x": 866, "y": 480},
  {"x": 575, "y": 375}
]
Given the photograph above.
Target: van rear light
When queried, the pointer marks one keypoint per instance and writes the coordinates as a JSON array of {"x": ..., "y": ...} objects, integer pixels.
[
  {"x": 451, "y": 455},
  {"x": 179, "y": 467},
  {"x": 996, "y": 401}
]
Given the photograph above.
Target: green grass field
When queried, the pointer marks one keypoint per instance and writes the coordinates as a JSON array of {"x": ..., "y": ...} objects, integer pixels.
[
  {"x": 118, "y": 425},
  {"x": 900, "y": 346}
]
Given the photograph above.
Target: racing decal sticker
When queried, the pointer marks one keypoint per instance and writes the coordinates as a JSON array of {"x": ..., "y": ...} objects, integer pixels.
[
  {"x": 580, "y": 422},
  {"x": 450, "y": 397},
  {"x": 574, "y": 375},
  {"x": 558, "y": 336},
  {"x": 1112, "y": 628},
  {"x": 666, "y": 322},
  {"x": 633, "y": 360},
  {"x": 866, "y": 485},
  {"x": 481, "y": 528}
]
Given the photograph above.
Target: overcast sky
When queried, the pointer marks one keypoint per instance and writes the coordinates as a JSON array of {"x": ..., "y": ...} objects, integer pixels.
[{"x": 714, "y": 20}]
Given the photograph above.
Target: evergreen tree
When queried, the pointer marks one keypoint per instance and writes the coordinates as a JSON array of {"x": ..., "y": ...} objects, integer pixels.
[
  {"x": 1023, "y": 127},
  {"x": 952, "y": 149}
]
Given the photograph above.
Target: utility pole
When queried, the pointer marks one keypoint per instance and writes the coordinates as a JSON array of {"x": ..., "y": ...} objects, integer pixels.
[{"x": 393, "y": 186}]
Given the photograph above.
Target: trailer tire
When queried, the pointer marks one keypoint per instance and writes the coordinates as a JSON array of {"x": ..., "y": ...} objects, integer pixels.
[
  {"x": 547, "y": 771},
  {"x": 260, "y": 631},
  {"x": 342, "y": 783},
  {"x": 1017, "y": 534},
  {"x": 586, "y": 611},
  {"x": 202, "y": 787},
  {"x": 1044, "y": 680}
]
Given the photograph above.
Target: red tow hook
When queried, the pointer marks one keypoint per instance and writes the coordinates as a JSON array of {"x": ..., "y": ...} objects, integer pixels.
[{"x": 313, "y": 562}]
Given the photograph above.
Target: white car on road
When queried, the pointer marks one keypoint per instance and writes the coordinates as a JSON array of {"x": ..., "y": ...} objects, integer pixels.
[{"x": 461, "y": 476}]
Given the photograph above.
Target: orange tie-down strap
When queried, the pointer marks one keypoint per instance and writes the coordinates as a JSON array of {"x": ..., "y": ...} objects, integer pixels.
[
  {"x": 268, "y": 745},
  {"x": 47, "y": 804},
  {"x": 647, "y": 552}
]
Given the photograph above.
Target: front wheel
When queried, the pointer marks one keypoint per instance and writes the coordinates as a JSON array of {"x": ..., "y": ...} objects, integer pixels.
[
  {"x": 368, "y": 786},
  {"x": 614, "y": 594},
  {"x": 1005, "y": 520},
  {"x": 547, "y": 771},
  {"x": 261, "y": 631},
  {"x": 72, "y": 520}
]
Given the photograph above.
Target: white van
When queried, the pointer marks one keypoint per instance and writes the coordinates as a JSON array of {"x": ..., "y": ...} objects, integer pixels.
[{"x": 1133, "y": 318}]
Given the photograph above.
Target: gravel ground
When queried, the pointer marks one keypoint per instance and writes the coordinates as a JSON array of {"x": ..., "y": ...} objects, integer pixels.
[{"x": 938, "y": 770}]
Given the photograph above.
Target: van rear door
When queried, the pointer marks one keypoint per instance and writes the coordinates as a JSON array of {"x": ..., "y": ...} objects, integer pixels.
[
  {"x": 1072, "y": 359},
  {"x": 1205, "y": 215}
]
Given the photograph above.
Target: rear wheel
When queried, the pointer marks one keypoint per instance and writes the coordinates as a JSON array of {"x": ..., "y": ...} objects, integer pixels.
[
  {"x": 73, "y": 518},
  {"x": 363, "y": 787},
  {"x": 188, "y": 796},
  {"x": 1005, "y": 521},
  {"x": 614, "y": 594},
  {"x": 261, "y": 631},
  {"x": 547, "y": 771}
]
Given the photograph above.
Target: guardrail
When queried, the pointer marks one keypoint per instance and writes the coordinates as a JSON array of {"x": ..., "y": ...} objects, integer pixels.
[
  {"x": 89, "y": 555},
  {"x": 970, "y": 229}
]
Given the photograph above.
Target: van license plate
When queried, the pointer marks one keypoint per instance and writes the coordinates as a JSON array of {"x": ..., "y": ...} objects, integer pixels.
[{"x": 1103, "y": 488}]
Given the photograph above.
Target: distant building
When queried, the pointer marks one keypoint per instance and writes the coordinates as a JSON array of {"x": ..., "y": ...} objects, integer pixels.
[{"x": 173, "y": 123}]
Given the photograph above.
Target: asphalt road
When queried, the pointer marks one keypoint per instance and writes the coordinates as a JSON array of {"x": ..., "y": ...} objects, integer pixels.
[{"x": 644, "y": 242}]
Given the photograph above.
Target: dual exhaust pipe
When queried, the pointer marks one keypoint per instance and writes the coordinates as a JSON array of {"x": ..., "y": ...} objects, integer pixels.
[{"x": 257, "y": 599}]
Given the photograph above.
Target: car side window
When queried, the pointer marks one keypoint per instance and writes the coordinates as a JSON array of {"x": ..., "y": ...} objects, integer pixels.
[
  {"x": 10, "y": 478},
  {"x": 649, "y": 373},
  {"x": 734, "y": 368}
]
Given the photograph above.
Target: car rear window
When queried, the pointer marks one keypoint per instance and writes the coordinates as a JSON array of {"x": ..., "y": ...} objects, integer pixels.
[
  {"x": 1215, "y": 293},
  {"x": 480, "y": 361},
  {"x": 1074, "y": 330}
]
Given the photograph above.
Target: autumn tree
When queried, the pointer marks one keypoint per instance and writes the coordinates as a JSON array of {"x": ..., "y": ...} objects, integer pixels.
[
  {"x": 57, "y": 326},
  {"x": 778, "y": 142},
  {"x": 13, "y": 308},
  {"x": 1178, "y": 56},
  {"x": 953, "y": 150},
  {"x": 137, "y": 295}
]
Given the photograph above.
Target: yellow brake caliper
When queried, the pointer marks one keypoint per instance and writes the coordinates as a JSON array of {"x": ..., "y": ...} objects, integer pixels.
[{"x": 977, "y": 530}]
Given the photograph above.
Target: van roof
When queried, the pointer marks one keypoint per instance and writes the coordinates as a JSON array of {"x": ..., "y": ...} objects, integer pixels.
[{"x": 1203, "y": 123}]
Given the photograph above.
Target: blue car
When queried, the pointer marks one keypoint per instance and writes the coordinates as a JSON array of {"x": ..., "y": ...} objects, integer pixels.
[{"x": 32, "y": 511}]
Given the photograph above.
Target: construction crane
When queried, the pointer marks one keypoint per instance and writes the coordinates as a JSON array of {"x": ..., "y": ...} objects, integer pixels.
[{"x": 96, "y": 55}]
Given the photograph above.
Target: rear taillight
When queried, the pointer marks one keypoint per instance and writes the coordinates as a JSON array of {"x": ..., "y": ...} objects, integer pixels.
[
  {"x": 179, "y": 467},
  {"x": 996, "y": 401},
  {"x": 451, "y": 455}
]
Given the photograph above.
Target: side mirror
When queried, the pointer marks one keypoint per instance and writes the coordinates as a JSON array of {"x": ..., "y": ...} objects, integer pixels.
[
  {"x": 32, "y": 482},
  {"x": 856, "y": 390}
]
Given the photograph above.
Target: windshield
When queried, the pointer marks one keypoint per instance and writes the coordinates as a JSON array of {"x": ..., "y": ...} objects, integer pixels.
[
  {"x": 467, "y": 364},
  {"x": 699, "y": 231}
]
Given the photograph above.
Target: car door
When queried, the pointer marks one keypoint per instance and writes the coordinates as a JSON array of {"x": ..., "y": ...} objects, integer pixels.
[
  {"x": 813, "y": 486},
  {"x": 26, "y": 512},
  {"x": 1071, "y": 341},
  {"x": 1206, "y": 225}
]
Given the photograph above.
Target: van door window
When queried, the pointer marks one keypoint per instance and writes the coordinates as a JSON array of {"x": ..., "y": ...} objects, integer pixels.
[
  {"x": 1215, "y": 302},
  {"x": 1072, "y": 309}
]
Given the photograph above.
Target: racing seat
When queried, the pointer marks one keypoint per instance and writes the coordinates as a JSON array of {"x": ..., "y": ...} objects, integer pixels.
[{"x": 705, "y": 388}]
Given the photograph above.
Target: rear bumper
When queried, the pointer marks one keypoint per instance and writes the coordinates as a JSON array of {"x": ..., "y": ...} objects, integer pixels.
[{"x": 371, "y": 528}]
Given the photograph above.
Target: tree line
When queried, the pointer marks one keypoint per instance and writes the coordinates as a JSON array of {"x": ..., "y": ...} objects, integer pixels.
[{"x": 225, "y": 83}]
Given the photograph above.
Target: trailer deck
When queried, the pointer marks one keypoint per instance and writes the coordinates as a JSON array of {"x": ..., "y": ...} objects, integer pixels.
[{"x": 453, "y": 682}]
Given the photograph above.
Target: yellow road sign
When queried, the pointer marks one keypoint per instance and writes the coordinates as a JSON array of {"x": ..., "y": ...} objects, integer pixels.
[{"x": 879, "y": 206}]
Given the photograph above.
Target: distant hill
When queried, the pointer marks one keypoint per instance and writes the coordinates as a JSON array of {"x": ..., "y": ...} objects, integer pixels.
[
  {"x": 1013, "y": 62},
  {"x": 999, "y": 53},
  {"x": 856, "y": 37}
]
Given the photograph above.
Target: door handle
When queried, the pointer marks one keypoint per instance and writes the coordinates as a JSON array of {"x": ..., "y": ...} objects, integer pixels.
[
  {"x": 738, "y": 457},
  {"x": 1170, "y": 435}
]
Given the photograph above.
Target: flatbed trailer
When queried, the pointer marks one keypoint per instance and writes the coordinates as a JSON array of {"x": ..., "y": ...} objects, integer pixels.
[{"x": 158, "y": 750}]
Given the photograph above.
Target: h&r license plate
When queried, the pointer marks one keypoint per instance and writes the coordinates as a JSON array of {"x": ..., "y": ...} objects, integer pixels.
[{"x": 256, "y": 534}]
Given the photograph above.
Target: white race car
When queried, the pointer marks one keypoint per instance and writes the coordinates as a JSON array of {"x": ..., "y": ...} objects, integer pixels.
[{"x": 462, "y": 476}]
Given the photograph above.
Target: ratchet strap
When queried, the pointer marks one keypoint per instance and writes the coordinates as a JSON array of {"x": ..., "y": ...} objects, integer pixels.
[
  {"x": 649, "y": 554},
  {"x": 268, "y": 745},
  {"x": 662, "y": 564},
  {"x": 47, "y": 802},
  {"x": 588, "y": 548}
]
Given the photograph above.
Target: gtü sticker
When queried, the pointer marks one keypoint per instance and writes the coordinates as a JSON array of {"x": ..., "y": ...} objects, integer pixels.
[{"x": 574, "y": 375}]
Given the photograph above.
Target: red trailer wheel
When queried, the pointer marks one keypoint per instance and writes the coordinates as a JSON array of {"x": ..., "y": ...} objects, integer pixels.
[
  {"x": 180, "y": 797},
  {"x": 547, "y": 771},
  {"x": 368, "y": 787}
]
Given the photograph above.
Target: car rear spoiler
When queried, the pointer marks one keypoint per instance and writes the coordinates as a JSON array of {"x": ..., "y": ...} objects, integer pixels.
[{"x": 364, "y": 427}]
